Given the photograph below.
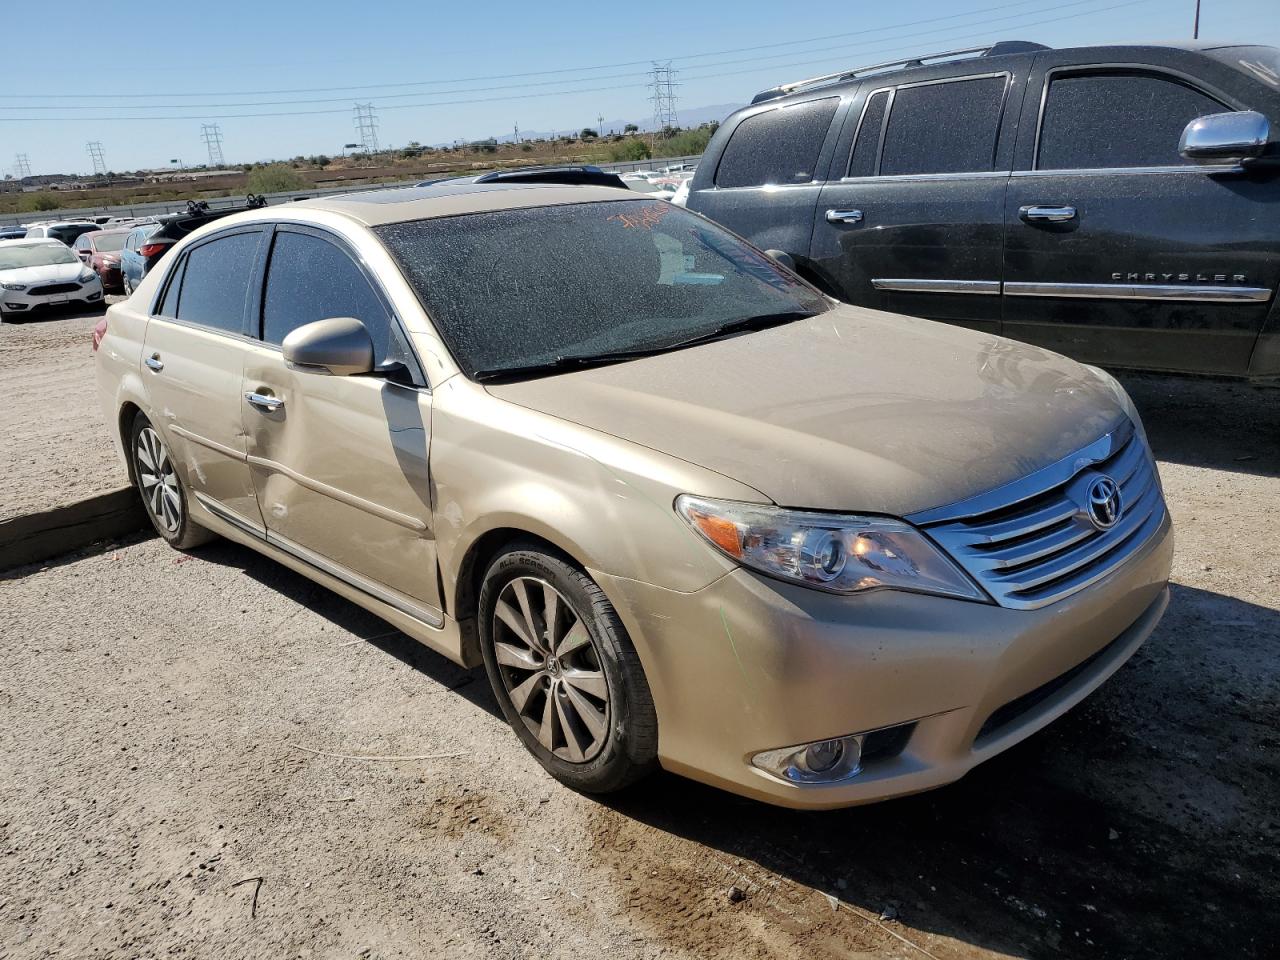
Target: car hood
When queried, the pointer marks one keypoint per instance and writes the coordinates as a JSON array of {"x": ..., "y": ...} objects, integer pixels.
[
  {"x": 850, "y": 410},
  {"x": 50, "y": 273}
]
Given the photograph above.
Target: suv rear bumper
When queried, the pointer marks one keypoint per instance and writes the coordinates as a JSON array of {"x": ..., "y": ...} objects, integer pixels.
[{"x": 750, "y": 664}]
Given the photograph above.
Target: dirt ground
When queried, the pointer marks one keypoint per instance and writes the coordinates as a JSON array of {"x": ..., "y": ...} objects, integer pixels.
[
  {"x": 167, "y": 784},
  {"x": 53, "y": 447}
]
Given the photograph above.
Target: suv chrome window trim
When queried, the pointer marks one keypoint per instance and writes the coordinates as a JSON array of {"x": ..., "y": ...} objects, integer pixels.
[
  {"x": 927, "y": 285},
  {"x": 1117, "y": 171},
  {"x": 418, "y": 371},
  {"x": 1114, "y": 69},
  {"x": 902, "y": 177},
  {"x": 1199, "y": 293}
]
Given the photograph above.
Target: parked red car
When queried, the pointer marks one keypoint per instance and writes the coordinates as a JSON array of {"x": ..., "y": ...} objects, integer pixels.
[{"x": 100, "y": 250}]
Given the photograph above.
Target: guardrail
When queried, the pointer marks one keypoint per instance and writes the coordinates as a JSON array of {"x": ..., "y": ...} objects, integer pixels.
[{"x": 158, "y": 207}]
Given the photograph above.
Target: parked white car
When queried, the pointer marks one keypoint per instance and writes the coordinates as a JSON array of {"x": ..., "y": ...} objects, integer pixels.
[{"x": 43, "y": 272}]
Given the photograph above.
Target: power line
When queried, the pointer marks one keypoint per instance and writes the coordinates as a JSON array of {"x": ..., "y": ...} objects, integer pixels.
[
  {"x": 22, "y": 166},
  {"x": 537, "y": 73},
  {"x": 211, "y": 134},
  {"x": 809, "y": 63},
  {"x": 95, "y": 154}
]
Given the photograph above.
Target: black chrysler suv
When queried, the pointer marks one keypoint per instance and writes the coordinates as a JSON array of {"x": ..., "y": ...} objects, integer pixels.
[{"x": 1118, "y": 204}]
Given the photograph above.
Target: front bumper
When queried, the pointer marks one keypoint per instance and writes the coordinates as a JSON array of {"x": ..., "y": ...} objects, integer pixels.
[
  {"x": 750, "y": 664},
  {"x": 18, "y": 302}
]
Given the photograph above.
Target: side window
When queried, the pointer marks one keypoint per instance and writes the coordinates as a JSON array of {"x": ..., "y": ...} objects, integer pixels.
[
  {"x": 216, "y": 281},
  {"x": 778, "y": 146},
  {"x": 169, "y": 306},
  {"x": 82, "y": 242},
  {"x": 944, "y": 127},
  {"x": 862, "y": 162},
  {"x": 1116, "y": 120},
  {"x": 311, "y": 279}
]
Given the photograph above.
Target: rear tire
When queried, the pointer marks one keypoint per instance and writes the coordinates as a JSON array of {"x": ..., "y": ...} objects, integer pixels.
[
  {"x": 163, "y": 496},
  {"x": 565, "y": 672}
]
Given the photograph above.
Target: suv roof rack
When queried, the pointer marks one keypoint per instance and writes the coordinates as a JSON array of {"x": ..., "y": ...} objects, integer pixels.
[
  {"x": 990, "y": 50},
  {"x": 583, "y": 174}
]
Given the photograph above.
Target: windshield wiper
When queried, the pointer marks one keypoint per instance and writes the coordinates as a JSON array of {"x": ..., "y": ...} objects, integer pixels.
[{"x": 579, "y": 361}]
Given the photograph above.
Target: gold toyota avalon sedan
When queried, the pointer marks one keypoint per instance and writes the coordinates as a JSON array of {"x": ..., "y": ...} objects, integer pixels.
[{"x": 688, "y": 511}]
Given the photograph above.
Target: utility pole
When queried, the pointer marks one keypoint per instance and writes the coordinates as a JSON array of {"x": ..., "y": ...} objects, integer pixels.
[
  {"x": 517, "y": 134},
  {"x": 95, "y": 154},
  {"x": 1195, "y": 34},
  {"x": 23, "y": 165},
  {"x": 366, "y": 122},
  {"x": 664, "y": 98},
  {"x": 600, "y": 125},
  {"x": 211, "y": 134}
]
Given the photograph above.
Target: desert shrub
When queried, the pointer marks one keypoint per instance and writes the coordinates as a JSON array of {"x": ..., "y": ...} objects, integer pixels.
[
  {"x": 632, "y": 149},
  {"x": 32, "y": 202},
  {"x": 275, "y": 178}
]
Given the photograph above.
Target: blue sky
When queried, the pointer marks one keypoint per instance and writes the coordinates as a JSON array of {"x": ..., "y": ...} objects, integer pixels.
[{"x": 219, "y": 59}]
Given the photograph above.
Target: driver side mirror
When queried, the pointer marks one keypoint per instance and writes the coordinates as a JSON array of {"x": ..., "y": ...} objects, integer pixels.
[
  {"x": 340, "y": 346},
  {"x": 1224, "y": 137}
]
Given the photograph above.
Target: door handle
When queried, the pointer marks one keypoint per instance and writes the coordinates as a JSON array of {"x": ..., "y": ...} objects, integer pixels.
[
  {"x": 1036, "y": 214},
  {"x": 844, "y": 216},
  {"x": 264, "y": 401},
  {"x": 154, "y": 362}
]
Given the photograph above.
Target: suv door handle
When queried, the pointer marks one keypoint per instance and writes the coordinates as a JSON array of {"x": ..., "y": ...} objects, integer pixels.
[
  {"x": 1035, "y": 214},
  {"x": 264, "y": 401},
  {"x": 844, "y": 216},
  {"x": 154, "y": 362}
]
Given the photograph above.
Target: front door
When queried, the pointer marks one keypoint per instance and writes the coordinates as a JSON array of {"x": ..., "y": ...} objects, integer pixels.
[
  {"x": 1117, "y": 250},
  {"x": 193, "y": 354},
  {"x": 340, "y": 464},
  {"x": 913, "y": 220}
]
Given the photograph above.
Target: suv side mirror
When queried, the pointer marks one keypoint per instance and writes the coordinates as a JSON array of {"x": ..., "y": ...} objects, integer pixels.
[
  {"x": 340, "y": 346},
  {"x": 1219, "y": 137}
]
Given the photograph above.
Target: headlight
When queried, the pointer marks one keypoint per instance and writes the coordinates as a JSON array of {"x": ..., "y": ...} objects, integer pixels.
[
  {"x": 831, "y": 552},
  {"x": 87, "y": 275},
  {"x": 13, "y": 286}
]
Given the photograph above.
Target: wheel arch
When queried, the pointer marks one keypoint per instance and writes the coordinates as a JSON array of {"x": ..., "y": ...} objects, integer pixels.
[
  {"x": 482, "y": 551},
  {"x": 124, "y": 425}
]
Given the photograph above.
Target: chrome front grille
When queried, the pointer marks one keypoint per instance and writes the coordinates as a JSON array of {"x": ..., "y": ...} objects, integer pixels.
[{"x": 1033, "y": 542}]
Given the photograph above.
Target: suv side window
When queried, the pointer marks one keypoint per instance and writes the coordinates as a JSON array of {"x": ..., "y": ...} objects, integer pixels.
[
  {"x": 777, "y": 146},
  {"x": 948, "y": 127},
  {"x": 311, "y": 279},
  {"x": 215, "y": 282},
  {"x": 1104, "y": 120},
  {"x": 862, "y": 162}
]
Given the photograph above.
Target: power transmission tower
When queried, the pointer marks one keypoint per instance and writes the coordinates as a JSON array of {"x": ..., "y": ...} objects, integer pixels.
[
  {"x": 23, "y": 165},
  {"x": 664, "y": 98},
  {"x": 366, "y": 121},
  {"x": 211, "y": 134},
  {"x": 95, "y": 153}
]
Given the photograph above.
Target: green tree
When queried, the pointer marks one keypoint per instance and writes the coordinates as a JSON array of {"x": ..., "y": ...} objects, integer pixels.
[
  {"x": 32, "y": 202},
  {"x": 630, "y": 128},
  {"x": 588, "y": 134},
  {"x": 632, "y": 149},
  {"x": 275, "y": 178}
]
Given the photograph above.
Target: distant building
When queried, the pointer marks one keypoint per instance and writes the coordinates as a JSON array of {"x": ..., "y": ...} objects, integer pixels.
[{"x": 10, "y": 185}]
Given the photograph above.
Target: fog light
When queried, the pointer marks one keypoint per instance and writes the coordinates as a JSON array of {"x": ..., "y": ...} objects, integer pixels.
[{"x": 823, "y": 761}]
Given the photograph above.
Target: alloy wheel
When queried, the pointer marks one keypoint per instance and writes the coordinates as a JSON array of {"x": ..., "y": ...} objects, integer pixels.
[
  {"x": 550, "y": 669},
  {"x": 158, "y": 481}
]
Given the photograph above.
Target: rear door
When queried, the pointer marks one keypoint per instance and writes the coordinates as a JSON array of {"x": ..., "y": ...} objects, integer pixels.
[
  {"x": 767, "y": 181},
  {"x": 193, "y": 354},
  {"x": 340, "y": 464},
  {"x": 912, "y": 218},
  {"x": 1120, "y": 252}
]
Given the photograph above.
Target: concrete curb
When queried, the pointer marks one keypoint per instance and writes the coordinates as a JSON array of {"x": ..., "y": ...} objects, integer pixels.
[{"x": 39, "y": 536}]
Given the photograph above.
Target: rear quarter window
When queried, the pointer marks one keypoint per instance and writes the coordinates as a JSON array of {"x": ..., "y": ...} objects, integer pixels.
[{"x": 778, "y": 146}]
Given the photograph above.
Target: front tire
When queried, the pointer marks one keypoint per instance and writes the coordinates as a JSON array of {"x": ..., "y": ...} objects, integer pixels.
[
  {"x": 163, "y": 496},
  {"x": 565, "y": 672}
]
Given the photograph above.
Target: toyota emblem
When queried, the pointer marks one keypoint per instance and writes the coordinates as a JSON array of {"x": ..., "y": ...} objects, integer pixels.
[{"x": 1103, "y": 503}]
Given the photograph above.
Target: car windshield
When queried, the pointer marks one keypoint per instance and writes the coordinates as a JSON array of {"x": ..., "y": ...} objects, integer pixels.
[
  {"x": 1261, "y": 63},
  {"x": 515, "y": 289},
  {"x": 109, "y": 242},
  {"x": 35, "y": 255}
]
